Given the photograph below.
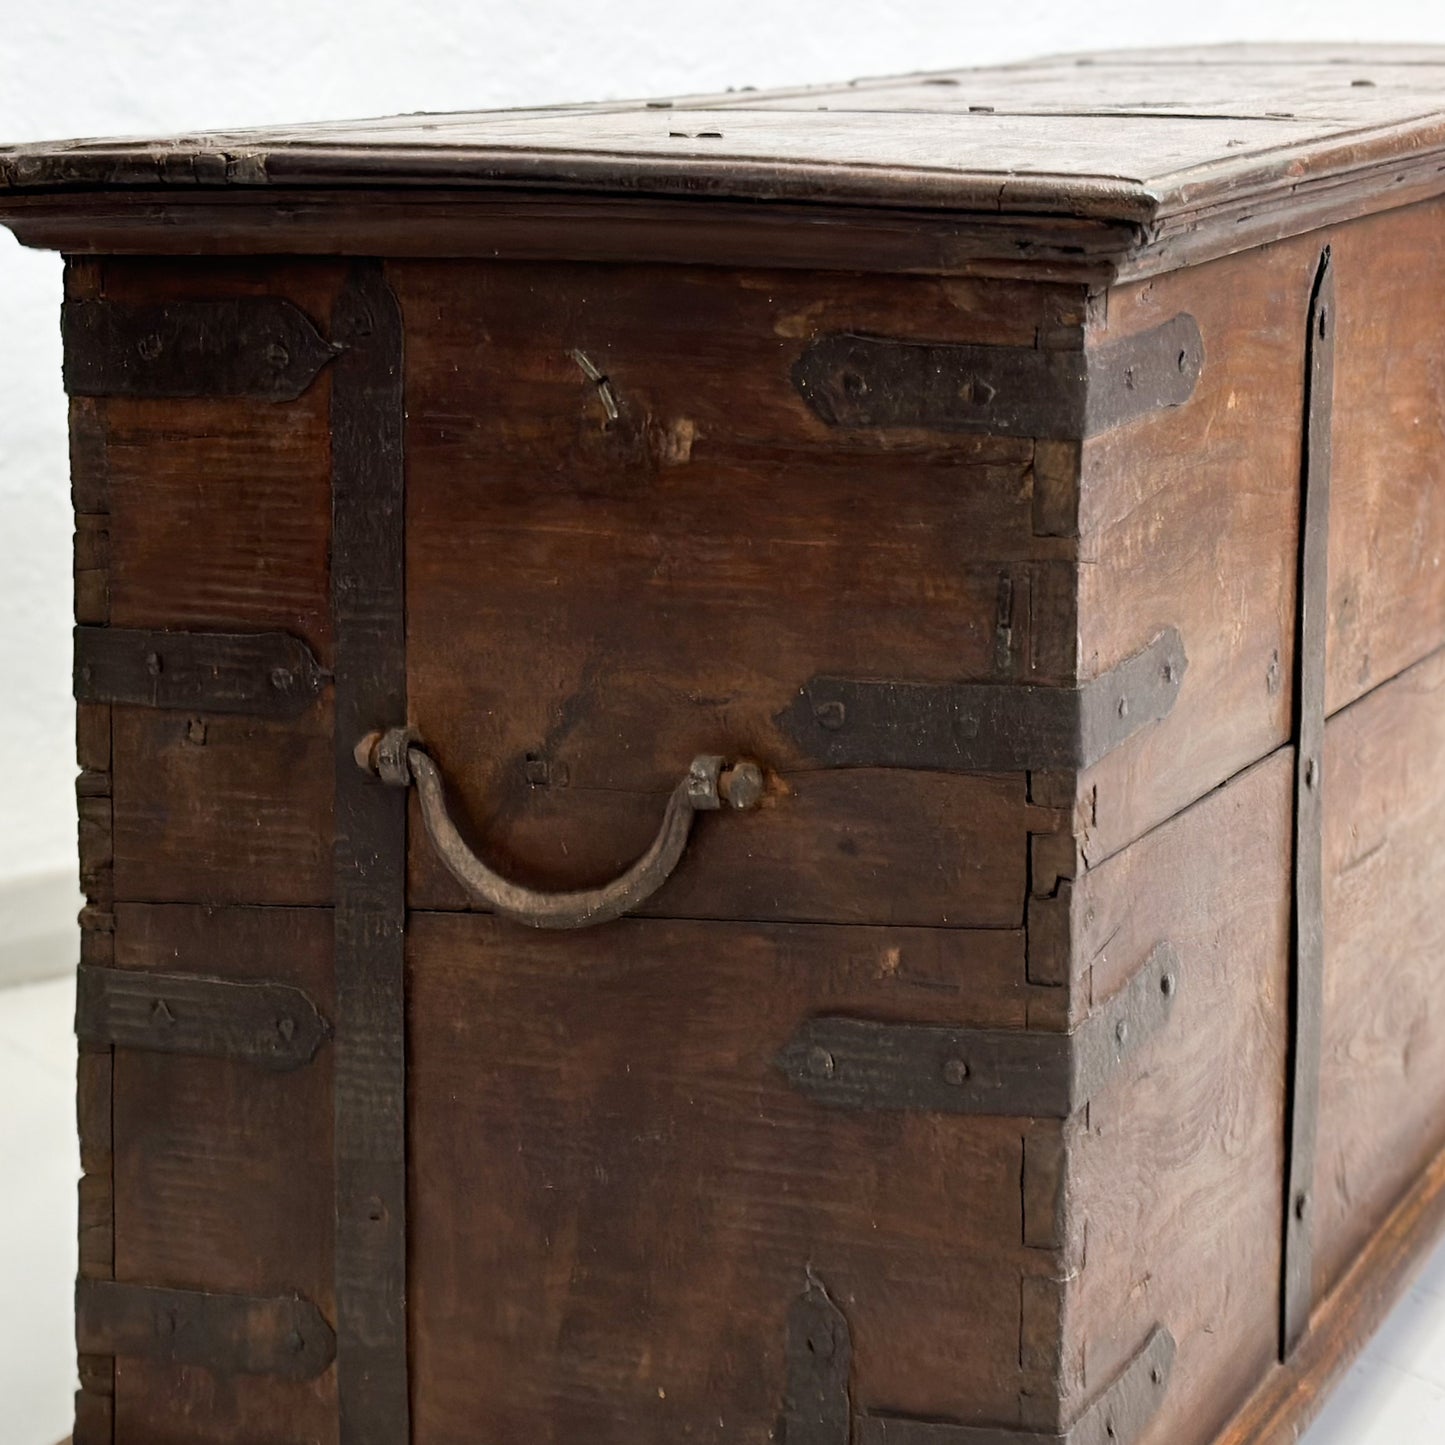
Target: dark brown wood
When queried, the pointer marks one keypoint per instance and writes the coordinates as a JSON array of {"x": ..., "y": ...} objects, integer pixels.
[
  {"x": 592, "y": 1186},
  {"x": 368, "y": 590},
  {"x": 607, "y": 1142},
  {"x": 223, "y": 1175},
  {"x": 683, "y": 628}
]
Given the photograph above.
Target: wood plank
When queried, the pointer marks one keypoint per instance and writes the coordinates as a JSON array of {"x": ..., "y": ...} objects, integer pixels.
[
  {"x": 1192, "y": 515},
  {"x": 1175, "y": 1171},
  {"x": 1383, "y": 1072},
  {"x": 1190, "y": 519},
  {"x": 623, "y": 621},
  {"x": 616, "y": 1196},
  {"x": 1387, "y": 518},
  {"x": 223, "y": 1176}
]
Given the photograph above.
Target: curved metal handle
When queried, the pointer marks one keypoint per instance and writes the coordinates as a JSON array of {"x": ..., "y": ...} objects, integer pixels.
[{"x": 396, "y": 758}]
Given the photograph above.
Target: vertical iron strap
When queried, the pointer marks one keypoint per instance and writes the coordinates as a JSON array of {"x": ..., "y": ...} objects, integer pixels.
[
  {"x": 367, "y": 600},
  {"x": 1307, "y": 972}
]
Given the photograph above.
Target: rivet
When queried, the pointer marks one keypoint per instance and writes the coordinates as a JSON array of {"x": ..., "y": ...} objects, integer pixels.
[
  {"x": 1121, "y": 1031},
  {"x": 154, "y": 664},
  {"x": 1301, "y": 1205},
  {"x": 296, "y": 1341},
  {"x": 955, "y": 1072},
  {"x": 821, "y": 1063},
  {"x": 282, "y": 679},
  {"x": 1156, "y": 1375},
  {"x": 1166, "y": 985},
  {"x": 196, "y": 731},
  {"x": 277, "y": 356},
  {"x": 286, "y": 1027},
  {"x": 830, "y": 715},
  {"x": 1311, "y": 773},
  {"x": 1123, "y": 707},
  {"x": 1183, "y": 360},
  {"x": 149, "y": 347},
  {"x": 853, "y": 384}
]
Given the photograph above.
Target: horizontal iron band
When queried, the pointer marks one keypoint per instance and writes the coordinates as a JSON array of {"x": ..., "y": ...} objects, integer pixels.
[
  {"x": 861, "y": 1064},
  {"x": 888, "y": 383},
  {"x": 271, "y": 1025},
  {"x": 259, "y": 346},
  {"x": 229, "y": 1333},
  {"x": 259, "y": 674},
  {"x": 985, "y": 727}
]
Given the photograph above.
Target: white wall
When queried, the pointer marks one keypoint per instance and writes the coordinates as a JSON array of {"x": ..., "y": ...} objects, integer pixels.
[{"x": 81, "y": 67}]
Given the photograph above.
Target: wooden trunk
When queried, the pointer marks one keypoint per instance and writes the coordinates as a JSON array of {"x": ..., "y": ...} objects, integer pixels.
[{"x": 1040, "y": 1037}]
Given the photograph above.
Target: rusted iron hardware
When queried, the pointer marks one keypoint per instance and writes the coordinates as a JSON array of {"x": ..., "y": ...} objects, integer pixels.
[
  {"x": 260, "y": 347},
  {"x": 229, "y": 1333},
  {"x": 852, "y": 1063},
  {"x": 818, "y": 1409},
  {"x": 397, "y": 759},
  {"x": 1307, "y": 965},
  {"x": 368, "y": 598},
  {"x": 985, "y": 727},
  {"x": 882, "y": 382},
  {"x": 260, "y": 674},
  {"x": 271, "y": 1025}
]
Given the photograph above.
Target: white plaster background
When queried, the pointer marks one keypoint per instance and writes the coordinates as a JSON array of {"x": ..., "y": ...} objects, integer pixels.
[{"x": 84, "y": 67}]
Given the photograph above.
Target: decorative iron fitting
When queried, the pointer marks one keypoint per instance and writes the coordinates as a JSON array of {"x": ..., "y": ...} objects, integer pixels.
[
  {"x": 883, "y": 382},
  {"x": 271, "y": 1025},
  {"x": 261, "y": 674},
  {"x": 985, "y": 727},
  {"x": 229, "y": 1333},
  {"x": 260, "y": 347},
  {"x": 861, "y": 1064},
  {"x": 818, "y": 1409}
]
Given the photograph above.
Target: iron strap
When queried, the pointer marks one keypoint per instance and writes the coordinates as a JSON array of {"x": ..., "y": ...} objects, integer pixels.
[
  {"x": 367, "y": 599},
  {"x": 258, "y": 674},
  {"x": 1307, "y": 966},
  {"x": 984, "y": 727},
  {"x": 231, "y": 1333},
  {"x": 887, "y": 382},
  {"x": 254, "y": 346},
  {"x": 863, "y": 1064},
  {"x": 819, "y": 1411},
  {"x": 271, "y": 1025}
]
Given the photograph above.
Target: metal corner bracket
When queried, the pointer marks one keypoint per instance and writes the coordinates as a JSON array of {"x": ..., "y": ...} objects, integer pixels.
[
  {"x": 862, "y": 1064},
  {"x": 985, "y": 727}
]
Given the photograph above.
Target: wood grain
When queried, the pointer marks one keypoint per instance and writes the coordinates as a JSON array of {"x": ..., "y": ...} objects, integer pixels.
[
  {"x": 616, "y": 1196},
  {"x": 223, "y": 1176},
  {"x": 1175, "y": 1171},
  {"x": 584, "y": 616},
  {"x": 1382, "y": 1075}
]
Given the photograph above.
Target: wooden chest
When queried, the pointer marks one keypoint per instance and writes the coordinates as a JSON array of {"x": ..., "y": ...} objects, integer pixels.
[{"x": 957, "y": 562}]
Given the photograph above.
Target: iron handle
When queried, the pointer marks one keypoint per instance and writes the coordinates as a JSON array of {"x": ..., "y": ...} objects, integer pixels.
[{"x": 397, "y": 758}]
